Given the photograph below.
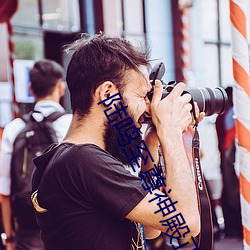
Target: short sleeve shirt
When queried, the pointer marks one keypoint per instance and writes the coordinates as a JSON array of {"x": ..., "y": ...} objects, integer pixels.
[
  {"x": 13, "y": 128},
  {"x": 88, "y": 194}
]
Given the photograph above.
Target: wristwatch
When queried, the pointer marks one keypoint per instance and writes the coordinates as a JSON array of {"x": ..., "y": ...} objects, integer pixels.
[{"x": 6, "y": 239}]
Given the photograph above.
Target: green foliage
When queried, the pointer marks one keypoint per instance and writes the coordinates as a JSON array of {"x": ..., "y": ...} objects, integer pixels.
[{"x": 25, "y": 49}]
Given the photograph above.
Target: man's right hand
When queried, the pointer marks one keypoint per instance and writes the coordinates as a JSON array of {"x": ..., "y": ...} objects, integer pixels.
[{"x": 172, "y": 114}]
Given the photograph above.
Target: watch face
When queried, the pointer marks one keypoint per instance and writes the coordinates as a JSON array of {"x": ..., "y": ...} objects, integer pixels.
[{"x": 3, "y": 237}]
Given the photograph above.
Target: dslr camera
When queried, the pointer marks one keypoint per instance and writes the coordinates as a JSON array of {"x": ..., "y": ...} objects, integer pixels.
[{"x": 210, "y": 101}]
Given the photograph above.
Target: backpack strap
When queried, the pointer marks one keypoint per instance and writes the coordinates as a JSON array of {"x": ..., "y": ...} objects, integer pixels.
[
  {"x": 44, "y": 123},
  {"x": 54, "y": 116},
  {"x": 51, "y": 118}
]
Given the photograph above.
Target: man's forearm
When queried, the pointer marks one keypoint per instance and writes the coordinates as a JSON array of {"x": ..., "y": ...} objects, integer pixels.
[
  {"x": 7, "y": 215},
  {"x": 179, "y": 177}
]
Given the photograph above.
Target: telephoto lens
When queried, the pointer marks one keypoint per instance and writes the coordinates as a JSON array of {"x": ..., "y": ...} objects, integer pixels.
[{"x": 210, "y": 101}]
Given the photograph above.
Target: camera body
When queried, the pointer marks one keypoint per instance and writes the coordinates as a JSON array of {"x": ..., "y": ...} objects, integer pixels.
[{"x": 210, "y": 101}]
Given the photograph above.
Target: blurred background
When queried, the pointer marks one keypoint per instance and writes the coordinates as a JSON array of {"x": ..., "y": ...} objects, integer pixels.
[{"x": 192, "y": 38}]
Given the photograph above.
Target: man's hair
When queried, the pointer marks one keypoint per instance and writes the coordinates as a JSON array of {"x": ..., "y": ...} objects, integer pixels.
[
  {"x": 44, "y": 76},
  {"x": 96, "y": 59}
]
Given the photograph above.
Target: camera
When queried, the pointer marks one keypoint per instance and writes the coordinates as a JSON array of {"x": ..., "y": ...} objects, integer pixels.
[{"x": 210, "y": 101}]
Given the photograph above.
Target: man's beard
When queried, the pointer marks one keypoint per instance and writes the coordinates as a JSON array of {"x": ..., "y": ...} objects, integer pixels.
[{"x": 112, "y": 136}]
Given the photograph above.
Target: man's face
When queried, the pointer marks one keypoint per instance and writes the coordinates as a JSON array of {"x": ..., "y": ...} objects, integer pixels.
[{"x": 135, "y": 97}]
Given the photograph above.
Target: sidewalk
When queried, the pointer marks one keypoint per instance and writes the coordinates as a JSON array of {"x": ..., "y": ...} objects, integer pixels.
[{"x": 228, "y": 244}]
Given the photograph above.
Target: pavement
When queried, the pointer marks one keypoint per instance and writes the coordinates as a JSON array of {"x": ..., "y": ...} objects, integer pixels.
[{"x": 228, "y": 244}]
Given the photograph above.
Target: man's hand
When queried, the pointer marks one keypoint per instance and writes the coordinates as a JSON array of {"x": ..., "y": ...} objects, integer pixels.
[
  {"x": 199, "y": 115},
  {"x": 171, "y": 115}
]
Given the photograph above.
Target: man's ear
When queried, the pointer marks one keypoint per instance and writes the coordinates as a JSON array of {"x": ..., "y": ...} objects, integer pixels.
[
  {"x": 31, "y": 90},
  {"x": 105, "y": 90},
  {"x": 62, "y": 88}
]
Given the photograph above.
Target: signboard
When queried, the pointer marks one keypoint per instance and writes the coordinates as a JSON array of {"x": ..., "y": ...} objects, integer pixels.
[
  {"x": 22, "y": 81},
  {"x": 5, "y": 103}
]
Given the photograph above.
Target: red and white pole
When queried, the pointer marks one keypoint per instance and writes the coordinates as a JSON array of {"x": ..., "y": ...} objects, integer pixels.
[
  {"x": 241, "y": 95},
  {"x": 15, "y": 105},
  {"x": 185, "y": 55}
]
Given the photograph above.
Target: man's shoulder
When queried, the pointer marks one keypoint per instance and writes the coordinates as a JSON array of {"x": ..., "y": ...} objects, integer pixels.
[
  {"x": 63, "y": 121},
  {"x": 95, "y": 156},
  {"x": 77, "y": 158},
  {"x": 17, "y": 122},
  {"x": 87, "y": 158},
  {"x": 93, "y": 151},
  {"x": 80, "y": 151},
  {"x": 13, "y": 128}
]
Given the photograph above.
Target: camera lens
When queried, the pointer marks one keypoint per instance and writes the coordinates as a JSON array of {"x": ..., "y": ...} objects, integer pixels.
[{"x": 210, "y": 101}]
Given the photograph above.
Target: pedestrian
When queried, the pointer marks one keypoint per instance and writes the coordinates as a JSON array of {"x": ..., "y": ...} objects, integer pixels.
[{"x": 47, "y": 86}]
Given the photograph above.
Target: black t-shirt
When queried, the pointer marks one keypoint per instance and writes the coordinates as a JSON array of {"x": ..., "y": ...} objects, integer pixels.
[{"x": 88, "y": 194}]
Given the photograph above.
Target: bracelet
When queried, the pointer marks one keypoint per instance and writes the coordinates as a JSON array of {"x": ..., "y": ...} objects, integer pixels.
[
  {"x": 10, "y": 239},
  {"x": 6, "y": 239}
]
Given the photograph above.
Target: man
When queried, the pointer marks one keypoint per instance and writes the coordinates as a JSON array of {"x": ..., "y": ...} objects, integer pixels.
[
  {"x": 225, "y": 126},
  {"x": 47, "y": 86},
  {"x": 85, "y": 198}
]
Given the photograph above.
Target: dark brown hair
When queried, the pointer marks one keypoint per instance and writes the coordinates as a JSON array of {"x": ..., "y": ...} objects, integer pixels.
[
  {"x": 96, "y": 59},
  {"x": 44, "y": 76}
]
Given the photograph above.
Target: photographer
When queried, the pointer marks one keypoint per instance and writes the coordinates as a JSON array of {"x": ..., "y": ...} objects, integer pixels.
[{"x": 85, "y": 198}]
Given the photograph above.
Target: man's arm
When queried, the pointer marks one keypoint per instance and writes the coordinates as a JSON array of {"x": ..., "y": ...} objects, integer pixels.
[
  {"x": 152, "y": 142},
  {"x": 7, "y": 220},
  {"x": 171, "y": 116},
  {"x": 179, "y": 179},
  {"x": 9, "y": 134}
]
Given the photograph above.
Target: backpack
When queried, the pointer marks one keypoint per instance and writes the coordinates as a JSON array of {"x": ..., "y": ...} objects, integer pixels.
[{"x": 37, "y": 135}]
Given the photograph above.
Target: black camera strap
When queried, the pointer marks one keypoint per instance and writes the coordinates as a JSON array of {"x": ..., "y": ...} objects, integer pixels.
[{"x": 205, "y": 238}]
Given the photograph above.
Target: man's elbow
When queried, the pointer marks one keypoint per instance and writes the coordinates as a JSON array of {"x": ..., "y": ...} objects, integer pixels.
[
  {"x": 191, "y": 227},
  {"x": 193, "y": 223}
]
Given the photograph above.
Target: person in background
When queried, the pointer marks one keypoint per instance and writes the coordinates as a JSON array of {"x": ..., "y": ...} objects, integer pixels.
[
  {"x": 2, "y": 247},
  {"x": 47, "y": 86},
  {"x": 225, "y": 126},
  {"x": 210, "y": 162}
]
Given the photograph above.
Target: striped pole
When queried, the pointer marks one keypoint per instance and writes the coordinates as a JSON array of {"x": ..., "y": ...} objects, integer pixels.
[
  {"x": 185, "y": 60},
  {"x": 241, "y": 95},
  {"x": 15, "y": 106},
  {"x": 185, "y": 65}
]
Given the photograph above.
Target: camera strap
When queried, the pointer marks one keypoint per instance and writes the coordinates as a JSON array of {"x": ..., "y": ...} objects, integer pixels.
[{"x": 205, "y": 238}]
